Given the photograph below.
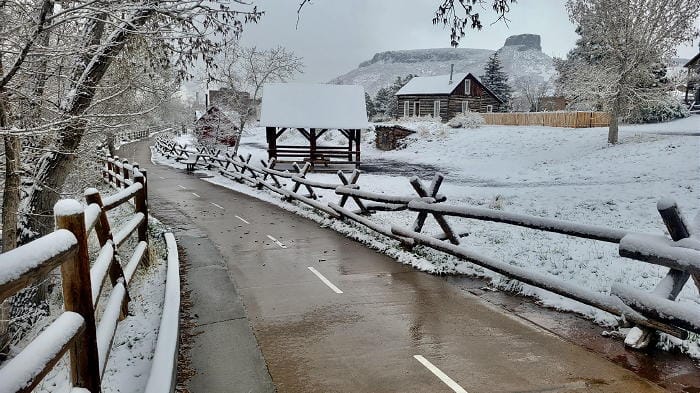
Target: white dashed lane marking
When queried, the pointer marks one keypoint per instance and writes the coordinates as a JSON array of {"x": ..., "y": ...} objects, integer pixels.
[
  {"x": 242, "y": 219},
  {"x": 219, "y": 206},
  {"x": 325, "y": 280},
  {"x": 181, "y": 187},
  {"x": 196, "y": 195},
  {"x": 273, "y": 239},
  {"x": 438, "y": 373}
]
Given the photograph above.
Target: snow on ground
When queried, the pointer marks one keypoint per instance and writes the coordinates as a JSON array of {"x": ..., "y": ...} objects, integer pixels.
[
  {"x": 129, "y": 363},
  {"x": 570, "y": 174}
]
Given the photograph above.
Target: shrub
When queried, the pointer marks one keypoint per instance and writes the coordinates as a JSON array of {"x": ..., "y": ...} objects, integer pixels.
[
  {"x": 659, "y": 113},
  {"x": 466, "y": 120}
]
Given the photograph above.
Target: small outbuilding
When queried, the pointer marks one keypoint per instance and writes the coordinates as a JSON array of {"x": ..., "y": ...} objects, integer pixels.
[
  {"x": 445, "y": 96},
  {"x": 214, "y": 126},
  {"x": 314, "y": 110},
  {"x": 692, "y": 87}
]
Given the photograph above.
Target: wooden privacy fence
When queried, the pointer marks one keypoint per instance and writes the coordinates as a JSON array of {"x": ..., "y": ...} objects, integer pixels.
[
  {"x": 647, "y": 312},
  {"x": 78, "y": 331},
  {"x": 549, "y": 119}
]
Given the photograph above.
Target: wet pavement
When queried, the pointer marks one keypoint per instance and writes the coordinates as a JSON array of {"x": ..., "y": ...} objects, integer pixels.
[{"x": 330, "y": 315}]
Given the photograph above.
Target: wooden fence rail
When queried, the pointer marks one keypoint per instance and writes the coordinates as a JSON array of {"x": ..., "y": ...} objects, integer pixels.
[
  {"x": 649, "y": 312},
  {"x": 78, "y": 331},
  {"x": 550, "y": 119}
]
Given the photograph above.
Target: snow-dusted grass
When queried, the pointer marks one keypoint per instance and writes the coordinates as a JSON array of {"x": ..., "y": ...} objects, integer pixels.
[
  {"x": 129, "y": 363},
  {"x": 569, "y": 174}
]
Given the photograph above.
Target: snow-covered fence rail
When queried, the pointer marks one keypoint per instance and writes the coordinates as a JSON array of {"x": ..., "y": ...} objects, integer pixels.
[
  {"x": 78, "y": 331},
  {"x": 164, "y": 365},
  {"x": 648, "y": 312}
]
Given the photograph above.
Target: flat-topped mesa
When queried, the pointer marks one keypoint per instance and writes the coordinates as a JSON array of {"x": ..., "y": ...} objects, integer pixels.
[{"x": 525, "y": 41}]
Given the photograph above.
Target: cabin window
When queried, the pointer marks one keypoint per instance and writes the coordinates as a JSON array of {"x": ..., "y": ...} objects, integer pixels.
[
  {"x": 468, "y": 87},
  {"x": 465, "y": 106},
  {"x": 436, "y": 108},
  {"x": 489, "y": 108},
  {"x": 406, "y": 108}
]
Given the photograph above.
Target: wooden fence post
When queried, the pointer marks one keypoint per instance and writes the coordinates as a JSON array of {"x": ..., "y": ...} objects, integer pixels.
[
  {"x": 104, "y": 235},
  {"x": 125, "y": 172},
  {"x": 77, "y": 297},
  {"x": 117, "y": 172},
  {"x": 671, "y": 285},
  {"x": 141, "y": 206}
]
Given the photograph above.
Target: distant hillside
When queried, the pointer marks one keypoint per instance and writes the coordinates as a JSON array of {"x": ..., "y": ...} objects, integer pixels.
[{"x": 521, "y": 57}]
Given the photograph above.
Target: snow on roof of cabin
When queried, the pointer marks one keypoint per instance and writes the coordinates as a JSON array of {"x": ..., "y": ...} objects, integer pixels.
[
  {"x": 302, "y": 105},
  {"x": 439, "y": 84}
]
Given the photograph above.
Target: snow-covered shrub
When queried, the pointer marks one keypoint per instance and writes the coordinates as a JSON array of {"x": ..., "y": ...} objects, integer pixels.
[
  {"x": 466, "y": 120},
  {"x": 659, "y": 113},
  {"x": 425, "y": 126}
]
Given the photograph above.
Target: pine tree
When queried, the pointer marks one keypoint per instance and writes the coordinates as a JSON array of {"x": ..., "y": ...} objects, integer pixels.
[
  {"x": 496, "y": 79},
  {"x": 371, "y": 111}
]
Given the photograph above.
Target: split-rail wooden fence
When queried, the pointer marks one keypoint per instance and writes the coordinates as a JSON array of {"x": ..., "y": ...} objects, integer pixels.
[
  {"x": 79, "y": 331},
  {"x": 646, "y": 312}
]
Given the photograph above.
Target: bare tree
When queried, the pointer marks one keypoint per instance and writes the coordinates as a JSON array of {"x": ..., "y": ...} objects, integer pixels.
[
  {"x": 85, "y": 39},
  {"x": 529, "y": 92},
  {"x": 244, "y": 72},
  {"x": 623, "y": 46},
  {"x": 75, "y": 69}
]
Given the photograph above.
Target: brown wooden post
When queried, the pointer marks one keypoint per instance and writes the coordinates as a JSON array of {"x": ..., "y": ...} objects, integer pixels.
[
  {"x": 117, "y": 172},
  {"x": 271, "y": 142},
  {"x": 103, "y": 231},
  {"x": 671, "y": 285},
  {"x": 141, "y": 206},
  {"x": 125, "y": 173},
  {"x": 77, "y": 297},
  {"x": 312, "y": 144},
  {"x": 358, "y": 135},
  {"x": 110, "y": 168}
]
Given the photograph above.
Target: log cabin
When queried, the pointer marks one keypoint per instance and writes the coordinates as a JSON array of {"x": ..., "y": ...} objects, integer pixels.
[
  {"x": 445, "y": 96},
  {"x": 692, "y": 90}
]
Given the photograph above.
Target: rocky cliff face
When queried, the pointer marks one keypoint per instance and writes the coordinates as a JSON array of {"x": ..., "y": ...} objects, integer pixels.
[{"x": 521, "y": 57}]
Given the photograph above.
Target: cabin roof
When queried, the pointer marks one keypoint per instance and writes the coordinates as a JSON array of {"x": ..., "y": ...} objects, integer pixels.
[
  {"x": 439, "y": 84},
  {"x": 303, "y": 105}
]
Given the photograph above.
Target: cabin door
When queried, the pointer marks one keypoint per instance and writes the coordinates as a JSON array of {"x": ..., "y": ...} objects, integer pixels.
[{"x": 416, "y": 108}]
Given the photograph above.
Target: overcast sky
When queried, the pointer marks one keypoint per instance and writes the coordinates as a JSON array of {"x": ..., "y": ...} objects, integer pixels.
[{"x": 334, "y": 36}]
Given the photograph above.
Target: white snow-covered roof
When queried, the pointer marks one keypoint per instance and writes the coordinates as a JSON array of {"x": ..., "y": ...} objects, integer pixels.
[
  {"x": 302, "y": 105},
  {"x": 439, "y": 84}
]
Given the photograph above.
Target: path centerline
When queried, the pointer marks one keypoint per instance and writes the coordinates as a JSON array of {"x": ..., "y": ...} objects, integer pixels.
[
  {"x": 438, "y": 373},
  {"x": 325, "y": 280}
]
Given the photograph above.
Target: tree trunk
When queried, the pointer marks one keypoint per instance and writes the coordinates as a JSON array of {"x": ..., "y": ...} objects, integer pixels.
[
  {"x": 10, "y": 205},
  {"x": 614, "y": 119},
  {"x": 239, "y": 135},
  {"x": 110, "y": 144}
]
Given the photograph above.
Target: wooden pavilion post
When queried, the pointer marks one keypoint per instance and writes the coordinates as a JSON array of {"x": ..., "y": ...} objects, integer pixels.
[
  {"x": 271, "y": 142},
  {"x": 358, "y": 135},
  {"x": 312, "y": 146}
]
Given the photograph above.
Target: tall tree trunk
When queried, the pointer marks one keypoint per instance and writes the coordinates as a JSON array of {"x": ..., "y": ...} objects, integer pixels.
[{"x": 614, "y": 119}]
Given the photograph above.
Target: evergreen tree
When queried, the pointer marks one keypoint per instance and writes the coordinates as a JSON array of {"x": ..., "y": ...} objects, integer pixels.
[
  {"x": 392, "y": 103},
  {"x": 371, "y": 110},
  {"x": 496, "y": 79},
  {"x": 381, "y": 100}
]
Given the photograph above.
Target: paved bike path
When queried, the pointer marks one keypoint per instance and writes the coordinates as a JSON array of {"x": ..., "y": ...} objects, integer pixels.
[{"x": 330, "y": 315}]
